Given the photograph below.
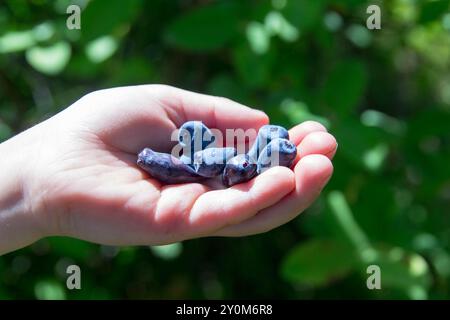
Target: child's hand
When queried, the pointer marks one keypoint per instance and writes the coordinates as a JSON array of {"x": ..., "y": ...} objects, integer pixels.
[{"x": 76, "y": 175}]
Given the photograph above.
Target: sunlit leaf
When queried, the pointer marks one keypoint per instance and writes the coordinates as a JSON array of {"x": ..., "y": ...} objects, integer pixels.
[
  {"x": 432, "y": 42},
  {"x": 258, "y": 37},
  {"x": 374, "y": 157},
  {"x": 276, "y": 24},
  {"x": 355, "y": 146},
  {"x": 49, "y": 290},
  {"x": 333, "y": 21},
  {"x": 346, "y": 221},
  {"x": 298, "y": 112},
  {"x": 101, "y": 49},
  {"x": 403, "y": 270},
  {"x": 359, "y": 35},
  {"x": 16, "y": 41},
  {"x": 446, "y": 21},
  {"x": 167, "y": 252},
  {"x": 374, "y": 118},
  {"x": 49, "y": 60},
  {"x": 44, "y": 31}
]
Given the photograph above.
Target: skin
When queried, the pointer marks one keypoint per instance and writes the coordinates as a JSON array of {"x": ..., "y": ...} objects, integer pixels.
[{"x": 75, "y": 174}]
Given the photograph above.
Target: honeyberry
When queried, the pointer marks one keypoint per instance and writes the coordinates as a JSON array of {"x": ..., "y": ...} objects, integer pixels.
[
  {"x": 266, "y": 134},
  {"x": 211, "y": 161},
  {"x": 166, "y": 168},
  {"x": 238, "y": 169},
  {"x": 194, "y": 136},
  {"x": 279, "y": 152}
]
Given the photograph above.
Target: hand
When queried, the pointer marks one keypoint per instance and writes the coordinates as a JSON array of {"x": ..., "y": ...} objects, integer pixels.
[{"x": 79, "y": 176}]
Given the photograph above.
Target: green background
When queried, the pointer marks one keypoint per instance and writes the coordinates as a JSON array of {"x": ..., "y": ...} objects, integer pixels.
[{"x": 384, "y": 94}]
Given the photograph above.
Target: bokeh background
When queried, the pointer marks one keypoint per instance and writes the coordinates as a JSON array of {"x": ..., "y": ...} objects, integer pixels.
[{"x": 385, "y": 95}]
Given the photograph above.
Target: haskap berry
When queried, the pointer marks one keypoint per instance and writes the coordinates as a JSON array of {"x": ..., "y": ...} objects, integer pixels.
[
  {"x": 166, "y": 168},
  {"x": 279, "y": 152},
  {"x": 201, "y": 159},
  {"x": 238, "y": 169},
  {"x": 266, "y": 134},
  {"x": 211, "y": 161},
  {"x": 194, "y": 136}
]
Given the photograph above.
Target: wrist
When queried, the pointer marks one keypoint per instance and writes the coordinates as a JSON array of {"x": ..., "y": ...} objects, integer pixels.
[{"x": 19, "y": 220}]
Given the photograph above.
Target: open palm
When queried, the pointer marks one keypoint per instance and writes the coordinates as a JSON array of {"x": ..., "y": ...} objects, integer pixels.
[{"x": 87, "y": 185}]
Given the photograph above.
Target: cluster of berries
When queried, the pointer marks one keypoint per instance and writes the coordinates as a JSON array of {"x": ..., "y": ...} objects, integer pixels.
[{"x": 202, "y": 159}]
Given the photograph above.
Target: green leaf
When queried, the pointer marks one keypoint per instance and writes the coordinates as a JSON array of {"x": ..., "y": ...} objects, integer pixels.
[
  {"x": 225, "y": 85},
  {"x": 375, "y": 156},
  {"x": 49, "y": 290},
  {"x": 433, "y": 10},
  {"x": 80, "y": 66},
  {"x": 49, "y": 60},
  {"x": 71, "y": 248},
  {"x": 14, "y": 41},
  {"x": 304, "y": 14},
  {"x": 131, "y": 72},
  {"x": 318, "y": 262},
  {"x": 345, "y": 218},
  {"x": 429, "y": 122},
  {"x": 360, "y": 143},
  {"x": 253, "y": 69},
  {"x": 298, "y": 112},
  {"x": 258, "y": 37},
  {"x": 107, "y": 17},
  {"x": 359, "y": 35},
  {"x": 276, "y": 24},
  {"x": 167, "y": 252},
  {"x": 374, "y": 118},
  {"x": 44, "y": 31},
  {"x": 345, "y": 86},
  {"x": 403, "y": 270},
  {"x": 204, "y": 29},
  {"x": 5, "y": 131},
  {"x": 101, "y": 49}
]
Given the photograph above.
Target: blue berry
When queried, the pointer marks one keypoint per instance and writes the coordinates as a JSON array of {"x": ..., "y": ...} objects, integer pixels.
[
  {"x": 266, "y": 134},
  {"x": 279, "y": 152},
  {"x": 194, "y": 136},
  {"x": 238, "y": 169},
  {"x": 166, "y": 168},
  {"x": 211, "y": 161}
]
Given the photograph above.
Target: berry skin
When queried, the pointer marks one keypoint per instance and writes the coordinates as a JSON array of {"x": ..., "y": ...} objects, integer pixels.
[
  {"x": 238, "y": 169},
  {"x": 279, "y": 152},
  {"x": 194, "y": 136},
  {"x": 211, "y": 161},
  {"x": 166, "y": 168},
  {"x": 266, "y": 134}
]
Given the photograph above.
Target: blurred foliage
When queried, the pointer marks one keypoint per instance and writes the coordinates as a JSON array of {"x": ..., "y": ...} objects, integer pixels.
[{"x": 385, "y": 95}]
